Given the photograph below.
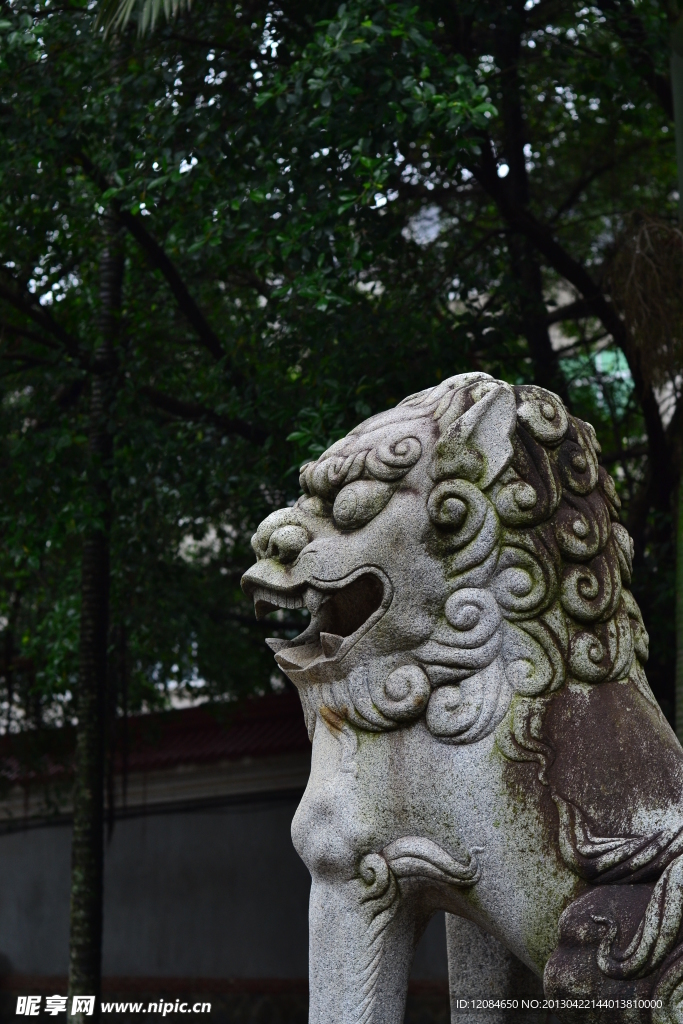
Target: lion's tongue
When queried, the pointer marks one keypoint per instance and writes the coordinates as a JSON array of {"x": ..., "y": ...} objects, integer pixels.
[
  {"x": 295, "y": 657},
  {"x": 300, "y": 656}
]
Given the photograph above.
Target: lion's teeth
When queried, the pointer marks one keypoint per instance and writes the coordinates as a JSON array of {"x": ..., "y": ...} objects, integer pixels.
[
  {"x": 330, "y": 643},
  {"x": 278, "y": 599},
  {"x": 276, "y": 644}
]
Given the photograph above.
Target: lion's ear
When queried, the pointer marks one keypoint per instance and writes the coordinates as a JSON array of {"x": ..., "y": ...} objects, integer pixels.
[{"x": 478, "y": 446}]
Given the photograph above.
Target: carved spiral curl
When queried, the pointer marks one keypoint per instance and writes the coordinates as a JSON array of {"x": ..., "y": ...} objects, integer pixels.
[
  {"x": 610, "y": 492},
  {"x": 577, "y": 460},
  {"x": 324, "y": 477},
  {"x": 591, "y": 592},
  {"x": 520, "y": 583},
  {"x": 392, "y": 461},
  {"x": 403, "y": 695},
  {"x": 451, "y": 712},
  {"x": 641, "y": 640},
  {"x": 385, "y": 462},
  {"x": 473, "y": 615},
  {"x": 460, "y": 507},
  {"x": 464, "y": 713},
  {"x": 582, "y": 526},
  {"x": 624, "y": 549},
  {"x": 620, "y": 639},
  {"x": 380, "y": 883},
  {"x": 542, "y": 413},
  {"x": 528, "y": 668},
  {"x": 530, "y": 491},
  {"x": 588, "y": 658},
  {"x": 515, "y": 502}
]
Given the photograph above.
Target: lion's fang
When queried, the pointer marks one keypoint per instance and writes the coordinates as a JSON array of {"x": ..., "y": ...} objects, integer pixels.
[
  {"x": 330, "y": 643},
  {"x": 313, "y": 599}
]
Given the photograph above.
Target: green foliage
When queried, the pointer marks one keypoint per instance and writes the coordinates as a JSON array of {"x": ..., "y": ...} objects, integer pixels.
[{"x": 315, "y": 178}]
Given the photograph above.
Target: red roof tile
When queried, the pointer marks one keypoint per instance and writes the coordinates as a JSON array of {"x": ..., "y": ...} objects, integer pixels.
[{"x": 257, "y": 727}]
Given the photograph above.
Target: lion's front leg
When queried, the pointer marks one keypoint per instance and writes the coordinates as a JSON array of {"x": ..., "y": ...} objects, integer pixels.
[
  {"x": 362, "y": 938},
  {"x": 372, "y": 892}
]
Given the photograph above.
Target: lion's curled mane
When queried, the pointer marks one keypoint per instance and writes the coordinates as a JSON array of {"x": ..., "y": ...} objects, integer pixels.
[{"x": 536, "y": 564}]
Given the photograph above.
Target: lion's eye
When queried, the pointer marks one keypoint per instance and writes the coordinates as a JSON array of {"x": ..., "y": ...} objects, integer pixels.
[{"x": 359, "y": 502}]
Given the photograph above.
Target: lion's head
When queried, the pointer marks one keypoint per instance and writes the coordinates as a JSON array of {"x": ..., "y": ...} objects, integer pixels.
[{"x": 457, "y": 550}]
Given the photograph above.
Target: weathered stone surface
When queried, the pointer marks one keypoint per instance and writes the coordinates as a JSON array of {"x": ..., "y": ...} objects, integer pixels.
[
  {"x": 479, "y": 965},
  {"x": 484, "y": 737}
]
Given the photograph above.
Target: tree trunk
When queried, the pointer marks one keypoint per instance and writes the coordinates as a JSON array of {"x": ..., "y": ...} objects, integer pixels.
[
  {"x": 677, "y": 90},
  {"x": 85, "y": 949},
  {"x": 533, "y": 314},
  {"x": 10, "y": 654},
  {"x": 524, "y": 263}
]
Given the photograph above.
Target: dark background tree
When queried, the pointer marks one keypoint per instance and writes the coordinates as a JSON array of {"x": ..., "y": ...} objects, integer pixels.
[{"x": 315, "y": 212}]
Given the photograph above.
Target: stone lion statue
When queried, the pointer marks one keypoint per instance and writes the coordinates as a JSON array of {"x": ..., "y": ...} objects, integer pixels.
[{"x": 484, "y": 737}]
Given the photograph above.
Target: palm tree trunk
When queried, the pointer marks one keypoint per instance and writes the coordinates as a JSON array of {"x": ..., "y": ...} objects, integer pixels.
[{"x": 87, "y": 856}]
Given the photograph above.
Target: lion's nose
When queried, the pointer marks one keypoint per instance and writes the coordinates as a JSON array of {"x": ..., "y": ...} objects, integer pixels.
[{"x": 286, "y": 543}]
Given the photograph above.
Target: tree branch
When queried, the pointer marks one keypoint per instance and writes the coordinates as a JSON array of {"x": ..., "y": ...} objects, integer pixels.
[
  {"x": 162, "y": 262},
  {"x": 635, "y": 452},
  {"x": 587, "y": 179},
  {"x": 11, "y": 292},
  {"x": 200, "y": 413},
  {"x": 184, "y": 300},
  {"x": 521, "y": 219},
  {"x": 24, "y": 332}
]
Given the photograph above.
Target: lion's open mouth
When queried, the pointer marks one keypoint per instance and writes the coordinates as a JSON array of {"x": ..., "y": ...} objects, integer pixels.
[{"x": 341, "y": 612}]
